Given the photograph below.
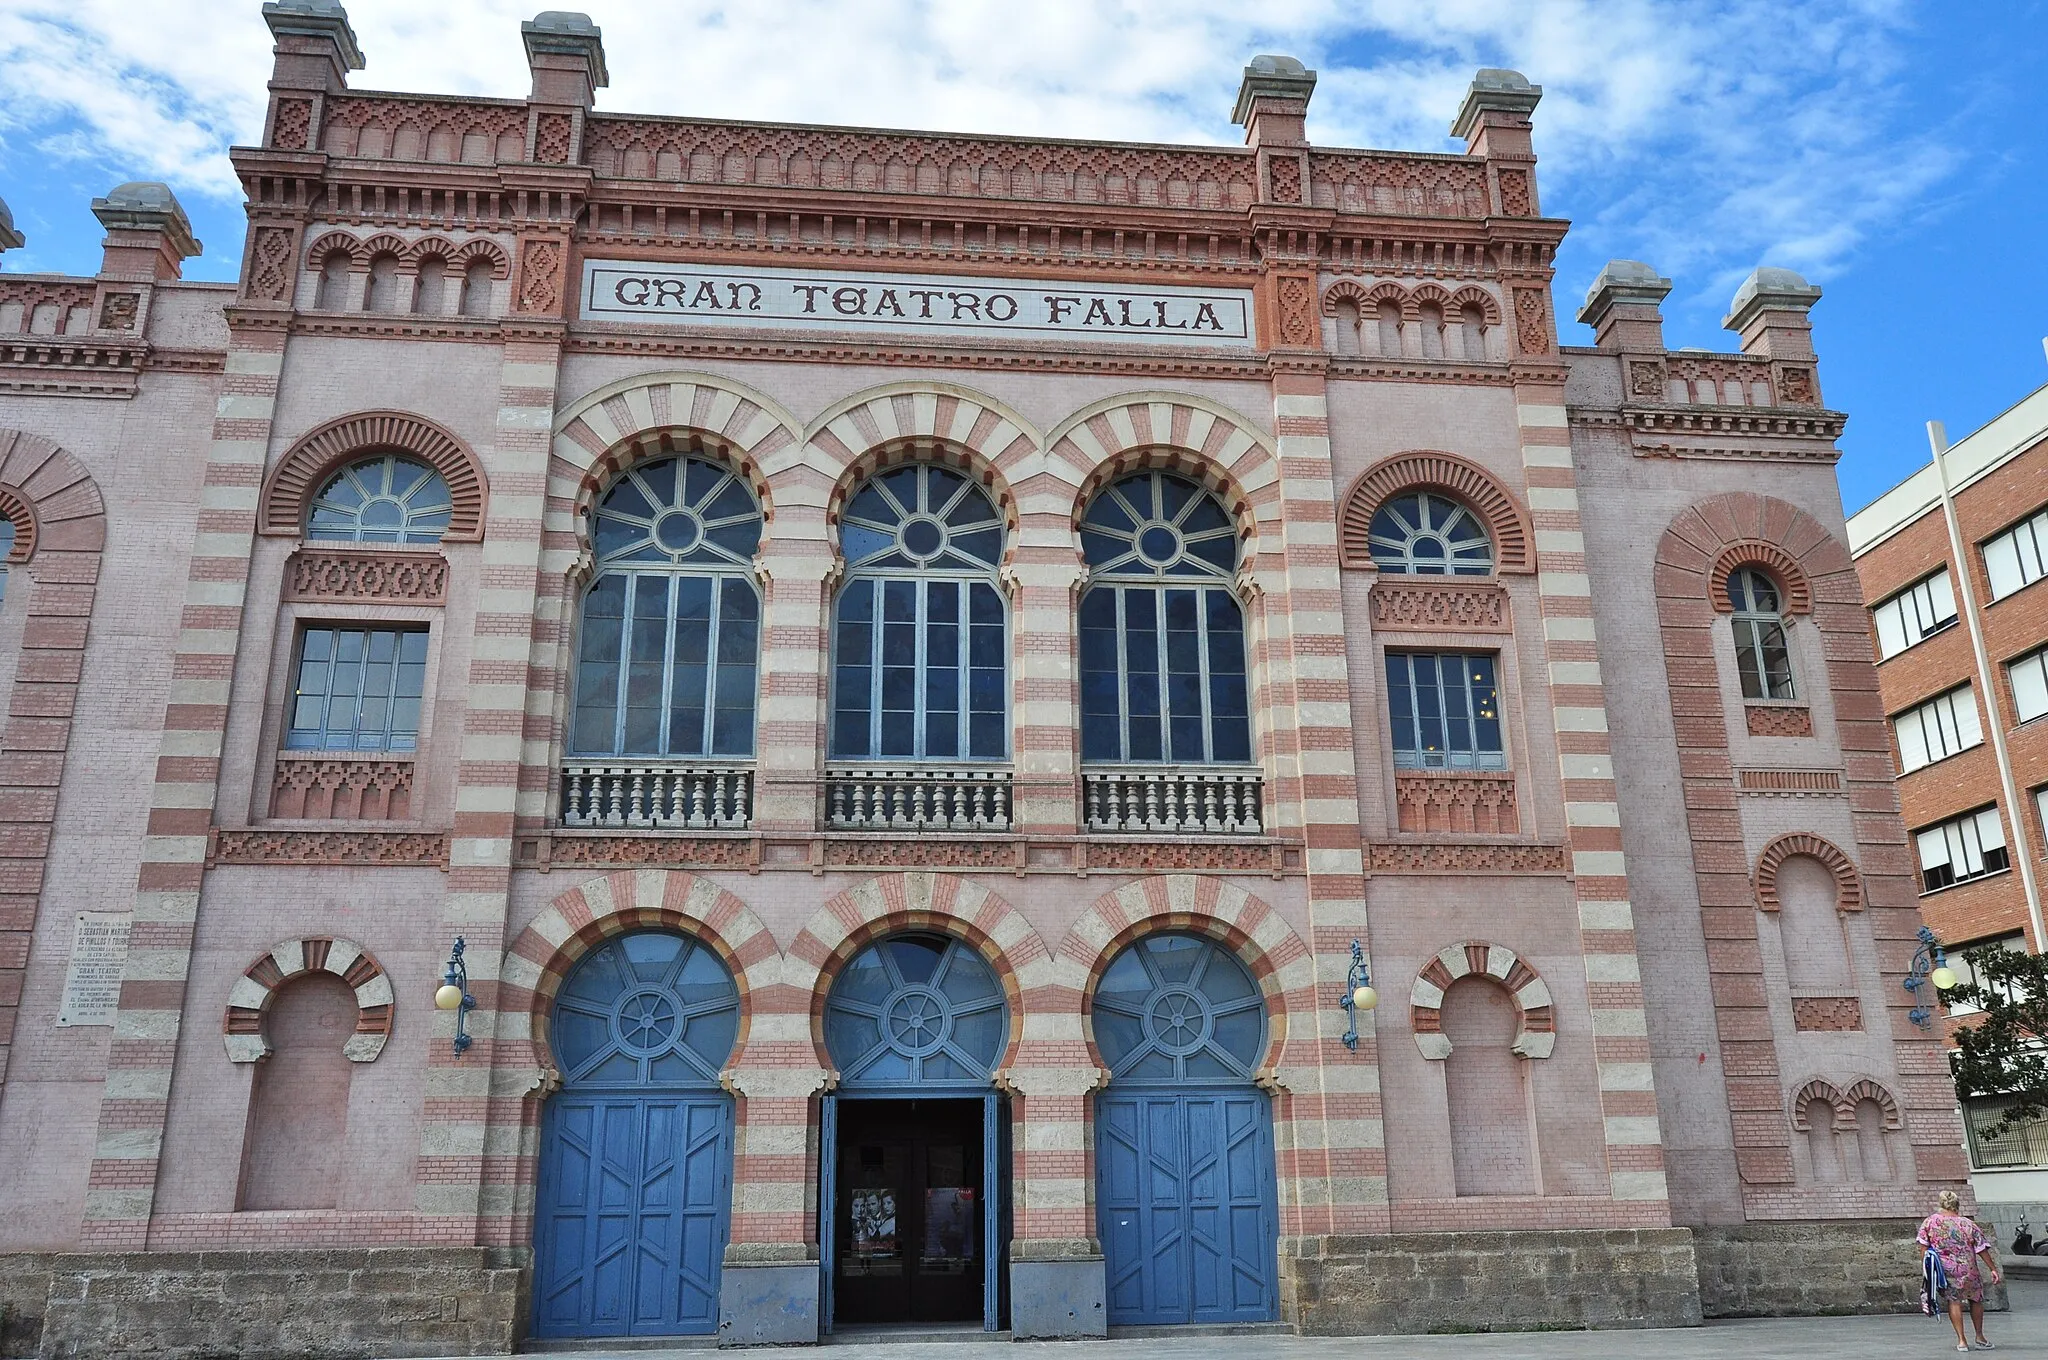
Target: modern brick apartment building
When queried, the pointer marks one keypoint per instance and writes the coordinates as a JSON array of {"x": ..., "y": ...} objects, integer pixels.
[
  {"x": 1966, "y": 695},
  {"x": 922, "y": 671}
]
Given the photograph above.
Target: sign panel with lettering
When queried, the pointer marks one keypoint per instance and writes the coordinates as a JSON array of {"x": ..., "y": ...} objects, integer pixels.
[
  {"x": 914, "y": 304},
  {"x": 92, "y": 983}
]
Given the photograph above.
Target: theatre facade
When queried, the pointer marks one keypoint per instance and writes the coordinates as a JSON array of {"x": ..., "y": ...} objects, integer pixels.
[{"x": 663, "y": 726}]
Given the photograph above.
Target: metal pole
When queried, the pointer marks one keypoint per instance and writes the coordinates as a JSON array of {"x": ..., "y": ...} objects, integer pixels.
[{"x": 1966, "y": 590}]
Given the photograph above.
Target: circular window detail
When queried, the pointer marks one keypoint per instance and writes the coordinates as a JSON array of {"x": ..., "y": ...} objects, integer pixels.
[
  {"x": 1155, "y": 524},
  {"x": 916, "y": 1010},
  {"x": 1424, "y": 534},
  {"x": 652, "y": 1008},
  {"x": 389, "y": 500},
  {"x": 1177, "y": 1009},
  {"x": 921, "y": 516},
  {"x": 675, "y": 512}
]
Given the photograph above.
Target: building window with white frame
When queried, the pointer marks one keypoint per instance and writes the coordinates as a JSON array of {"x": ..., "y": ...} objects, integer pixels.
[
  {"x": 1444, "y": 708},
  {"x": 1961, "y": 959},
  {"x": 920, "y": 631},
  {"x": 357, "y": 689},
  {"x": 2028, "y": 676},
  {"x": 671, "y": 628},
  {"x": 1960, "y": 849},
  {"x": 1917, "y": 613},
  {"x": 1762, "y": 657},
  {"x": 1162, "y": 634},
  {"x": 1938, "y": 729},
  {"x": 1420, "y": 533},
  {"x": 2013, "y": 559}
]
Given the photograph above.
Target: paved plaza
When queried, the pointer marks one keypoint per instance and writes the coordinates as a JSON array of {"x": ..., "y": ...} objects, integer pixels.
[{"x": 2022, "y": 1331}]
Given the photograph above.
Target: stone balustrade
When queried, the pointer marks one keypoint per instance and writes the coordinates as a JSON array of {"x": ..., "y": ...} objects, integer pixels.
[
  {"x": 665, "y": 794},
  {"x": 1185, "y": 800},
  {"x": 932, "y": 799}
]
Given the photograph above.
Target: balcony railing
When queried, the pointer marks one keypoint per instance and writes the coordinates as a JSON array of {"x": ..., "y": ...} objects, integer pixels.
[
  {"x": 917, "y": 800},
  {"x": 660, "y": 794},
  {"x": 1174, "y": 800}
]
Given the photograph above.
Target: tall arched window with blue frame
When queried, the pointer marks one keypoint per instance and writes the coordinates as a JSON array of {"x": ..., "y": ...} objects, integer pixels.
[
  {"x": 670, "y": 644},
  {"x": 1162, "y": 633},
  {"x": 920, "y": 630}
]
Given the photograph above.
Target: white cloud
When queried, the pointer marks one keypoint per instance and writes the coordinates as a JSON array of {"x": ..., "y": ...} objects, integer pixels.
[{"x": 1701, "y": 137}]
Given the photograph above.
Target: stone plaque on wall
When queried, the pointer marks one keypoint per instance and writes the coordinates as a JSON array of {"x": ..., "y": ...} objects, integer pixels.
[
  {"x": 914, "y": 304},
  {"x": 92, "y": 983}
]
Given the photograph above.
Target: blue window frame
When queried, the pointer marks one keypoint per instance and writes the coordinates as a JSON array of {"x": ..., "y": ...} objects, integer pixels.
[
  {"x": 388, "y": 500},
  {"x": 1162, "y": 634},
  {"x": 1444, "y": 708},
  {"x": 1423, "y": 534},
  {"x": 671, "y": 631},
  {"x": 916, "y": 1010},
  {"x": 358, "y": 689},
  {"x": 920, "y": 634},
  {"x": 650, "y": 1008},
  {"x": 1174, "y": 1009}
]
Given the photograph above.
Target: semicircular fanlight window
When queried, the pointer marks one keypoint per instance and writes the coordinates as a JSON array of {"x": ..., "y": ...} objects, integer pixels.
[
  {"x": 1424, "y": 534},
  {"x": 1178, "y": 1009},
  {"x": 652, "y": 1008},
  {"x": 390, "y": 499},
  {"x": 916, "y": 1010}
]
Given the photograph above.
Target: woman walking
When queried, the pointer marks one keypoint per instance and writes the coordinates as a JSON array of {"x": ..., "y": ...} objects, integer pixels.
[{"x": 1958, "y": 1244}]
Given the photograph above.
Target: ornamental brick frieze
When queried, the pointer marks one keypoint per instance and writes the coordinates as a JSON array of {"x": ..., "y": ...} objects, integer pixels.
[
  {"x": 397, "y": 578},
  {"x": 438, "y": 131},
  {"x": 1444, "y": 605},
  {"x": 1790, "y": 783},
  {"x": 323, "y": 786},
  {"x": 1472, "y": 802},
  {"x": 1824, "y": 1014},
  {"x": 1779, "y": 720},
  {"x": 1455, "y": 857},
  {"x": 672, "y": 851},
  {"x": 356, "y": 849},
  {"x": 995, "y": 854}
]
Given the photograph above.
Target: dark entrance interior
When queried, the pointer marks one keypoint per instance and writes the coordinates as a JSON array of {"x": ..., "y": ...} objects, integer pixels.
[{"x": 908, "y": 1221}]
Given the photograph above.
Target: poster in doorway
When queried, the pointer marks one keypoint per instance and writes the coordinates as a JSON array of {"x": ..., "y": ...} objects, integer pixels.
[
  {"x": 873, "y": 1212},
  {"x": 949, "y": 1224}
]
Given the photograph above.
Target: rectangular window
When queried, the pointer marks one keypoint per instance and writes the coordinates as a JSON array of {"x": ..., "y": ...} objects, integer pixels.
[
  {"x": 2024, "y": 1145},
  {"x": 358, "y": 689},
  {"x": 1762, "y": 657},
  {"x": 2013, "y": 558},
  {"x": 1914, "y": 615},
  {"x": 1444, "y": 708},
  {"x": 1937, "y": 729},
  {"x": 1966, "y": 971},
  {"x": 2029, "y": 678},
  {"x": 1961, "y": 848}
]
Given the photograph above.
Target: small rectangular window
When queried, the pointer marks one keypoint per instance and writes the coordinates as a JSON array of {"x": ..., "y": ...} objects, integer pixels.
[
  {"x": 2029, "y": 678},
  {"x": 1444, "y": 708},
  {"x": 1937, "y": 729},
  {"x": 358, "y": 689},
  {"x": 1961, "y": 848},
  {"x": 2013, "y": 559},
  {"x": 1914, "y": 615}
]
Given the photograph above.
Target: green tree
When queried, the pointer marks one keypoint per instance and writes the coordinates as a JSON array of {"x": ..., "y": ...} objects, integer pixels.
[{"x": 2001, "y": 1052}]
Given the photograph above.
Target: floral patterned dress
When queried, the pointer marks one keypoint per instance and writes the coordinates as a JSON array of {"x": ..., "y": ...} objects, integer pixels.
[{"x": 1956, "y": 1240}]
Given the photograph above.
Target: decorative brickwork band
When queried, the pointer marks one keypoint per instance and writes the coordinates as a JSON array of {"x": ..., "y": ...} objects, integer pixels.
[
  {"x": 249, "y": 1000},
  {"x": 1410, "y": 300},
  {"x": 1536, "y": 1034},
  {"x": 314, "y": 785},
  {"x": 1781, "y": 566},
  {"x": 420, "y": 849},
  {"x": 1778, "y": 720},
  {"x": 360, "y": 252},
  {"x": 394, "y": 577},
  {"x": 1465, "y": 802},
  {"x": 1472, "y": 857},
  {"x": 1827, "y": 1014},
  {"x": 59, "y": 531},
  {"x": 292, "y": 484},
  {"x": 1848, "y": 886},
  {"x": 1400, "y": 603},
  {"x": 1426, "y": 470}
]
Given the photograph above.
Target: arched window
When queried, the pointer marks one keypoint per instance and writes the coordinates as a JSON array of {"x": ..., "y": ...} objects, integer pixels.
[
  {"x": 1423, "y": 534},
  {"x": 1389, "y": 314},
  {"x": 1761, "y": 655},
  {"x": 382, "y": 293},
  {"x": 1473, "y": 321},
  {"x": 1432, "y": 331},
  {"x": 1162, "y": 634},
  {"x": 672, "y": 621},
  {"x": 476, "y": 289},
  {"x": 333, "y": 294},
  {"x": 431, "y": 289},
  {"x": 916, "y": 1010},
  {"x": 1174, "y": 1009},
  {"x": 385, "y": 499},
  {"x": 1348, "y": 321},
  {"x": 920, "y": 636},
  {"x": 650, "y": 1008}
]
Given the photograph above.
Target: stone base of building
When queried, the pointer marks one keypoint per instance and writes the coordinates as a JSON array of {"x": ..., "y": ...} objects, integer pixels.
[
  {"x": 1813, "y": 1269},
  {"x": 1058, "y": 1290},
  {"x": 24, "y": 1290},
  {"x": 768, "y": 1297},
  {"x": 1490, "y": 1281},
  {"x": 256, "y": 1305}
]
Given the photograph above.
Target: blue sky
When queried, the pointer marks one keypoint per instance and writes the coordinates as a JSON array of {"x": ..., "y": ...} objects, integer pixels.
[{"x": 1890, "y": 150}]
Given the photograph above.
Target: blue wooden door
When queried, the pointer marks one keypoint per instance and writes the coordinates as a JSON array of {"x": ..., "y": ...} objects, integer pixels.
[
  {"x": 1186, "y": 1200},
  {"x": 635, "y": 1183}
]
